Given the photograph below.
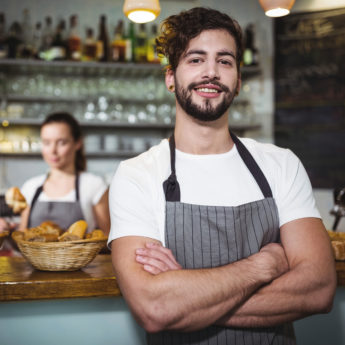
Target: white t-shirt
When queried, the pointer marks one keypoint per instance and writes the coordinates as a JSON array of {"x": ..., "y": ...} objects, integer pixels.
[
  {"x": 91, "y": 189},
  {"x": 137, "y": 201}
]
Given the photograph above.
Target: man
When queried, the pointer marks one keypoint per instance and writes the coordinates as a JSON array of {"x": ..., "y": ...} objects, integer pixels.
[{"x": 215, "y": 239}]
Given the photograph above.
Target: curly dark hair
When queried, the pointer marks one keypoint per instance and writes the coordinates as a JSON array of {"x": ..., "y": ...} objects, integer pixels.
[
  {"x": 178, "y": 30},
  {"x": 73, "y": 124}
]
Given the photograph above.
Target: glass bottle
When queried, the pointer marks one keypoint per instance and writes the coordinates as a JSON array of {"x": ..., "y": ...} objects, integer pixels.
[
  {"x": 13, "y": 40},
  {"x": 74, "y": 40},
  {"x": 103, "y": 40},
  {"x": 250, "y": 54},
  {"x": 3, "y": 48},
  {"x": 141, "y": 44},
  {"x": 58, "y": 44},
  {"x": 118, "y": 46},
  {"x": 90, "y": 46},
  {"x": 48, "y": 34},
  {"x": 26, "y": 49},
  {"x": 37, "y": 40},
  {"x": 131, "y": 43},
  {"x": 152, "y": 55}
]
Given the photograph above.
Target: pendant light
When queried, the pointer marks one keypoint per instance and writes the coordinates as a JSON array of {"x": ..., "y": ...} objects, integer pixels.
[
  {"x": 141, "y": 11},
  {"x": 276, "y": 8}
]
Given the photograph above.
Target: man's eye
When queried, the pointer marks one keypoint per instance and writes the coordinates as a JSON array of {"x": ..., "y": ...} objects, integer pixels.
[
  {"x": 195, "y": 60},
  {"x": 226, "y": 62}
]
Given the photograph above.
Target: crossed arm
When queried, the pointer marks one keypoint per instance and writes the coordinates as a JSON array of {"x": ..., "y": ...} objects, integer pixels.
[{"x": 278, "y": 284}]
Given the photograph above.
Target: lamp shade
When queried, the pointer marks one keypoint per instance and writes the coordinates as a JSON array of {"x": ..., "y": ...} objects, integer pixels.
[
  {"x": 141, "y": 11},
  {"x": 276, "y": 8}
]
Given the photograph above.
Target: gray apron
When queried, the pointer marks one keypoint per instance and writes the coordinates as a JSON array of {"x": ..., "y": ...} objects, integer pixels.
[
  {"x": 211, "y": 236},
  {"x": 63, "y": 213}
]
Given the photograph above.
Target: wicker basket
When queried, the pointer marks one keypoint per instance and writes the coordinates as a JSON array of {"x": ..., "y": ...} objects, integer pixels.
[
  {"x": 3, "y": 235},
  {"x": 60, "y": 256}
]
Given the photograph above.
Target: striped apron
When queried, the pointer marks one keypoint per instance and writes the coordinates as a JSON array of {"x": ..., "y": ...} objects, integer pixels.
[{"x": 211, "y": 236}]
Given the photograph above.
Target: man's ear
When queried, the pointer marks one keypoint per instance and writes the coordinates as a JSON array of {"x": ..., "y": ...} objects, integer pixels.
[
  {"x": 239, "y": 84},
  {"x": 170, "y": 80}
]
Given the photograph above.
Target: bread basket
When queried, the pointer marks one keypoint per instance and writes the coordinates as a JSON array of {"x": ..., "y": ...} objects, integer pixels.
[{"x": 60, "y": 256}]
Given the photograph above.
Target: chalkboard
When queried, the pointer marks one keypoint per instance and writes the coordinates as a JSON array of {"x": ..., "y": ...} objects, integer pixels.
[{"x": 310, "y": 92}]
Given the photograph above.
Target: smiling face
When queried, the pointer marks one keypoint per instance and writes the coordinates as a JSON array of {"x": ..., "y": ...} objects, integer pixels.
[
  {"x": 206, "y": 78},
  {"x": 58, "y": 146}
]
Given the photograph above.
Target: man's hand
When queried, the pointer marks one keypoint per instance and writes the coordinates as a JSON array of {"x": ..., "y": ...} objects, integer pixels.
[
  {"x": 271, "y": 261},
  {"x": 156, "y": 259}
]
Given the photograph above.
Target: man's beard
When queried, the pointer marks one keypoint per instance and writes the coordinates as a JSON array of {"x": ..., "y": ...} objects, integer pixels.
[{"x": 205, "y": 112}]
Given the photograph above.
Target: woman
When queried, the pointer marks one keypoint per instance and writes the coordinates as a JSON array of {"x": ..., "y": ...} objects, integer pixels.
[{"x": 66, "y": 193}]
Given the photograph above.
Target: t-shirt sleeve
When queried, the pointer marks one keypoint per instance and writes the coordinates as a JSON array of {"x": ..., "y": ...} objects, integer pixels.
[
  {"x": 99, "y": 186},
  {"x": 295, "y": 194},
  {"x": 131, "y": 206}
]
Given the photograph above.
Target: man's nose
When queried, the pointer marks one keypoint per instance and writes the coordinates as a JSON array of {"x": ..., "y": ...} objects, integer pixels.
[{"x": 211, "y": 70}]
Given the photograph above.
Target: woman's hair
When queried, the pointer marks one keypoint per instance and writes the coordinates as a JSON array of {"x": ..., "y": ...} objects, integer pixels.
[
  {"x": 178, "y": 30},
  {"x": 72, "y": 123}
]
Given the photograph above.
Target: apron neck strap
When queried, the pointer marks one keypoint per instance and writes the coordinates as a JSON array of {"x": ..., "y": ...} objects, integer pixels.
[
  {"x": 253, "y": 167},
  {"x": 171, "y": 186}
]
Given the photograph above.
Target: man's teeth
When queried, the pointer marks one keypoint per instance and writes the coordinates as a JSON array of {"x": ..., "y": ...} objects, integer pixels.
[{"x": 205, "y": 89}]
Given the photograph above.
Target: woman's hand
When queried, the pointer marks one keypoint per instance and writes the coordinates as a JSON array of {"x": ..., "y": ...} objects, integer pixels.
[
  {"x": 5, "y": 226},
  {"x": 156, "y": 259}
]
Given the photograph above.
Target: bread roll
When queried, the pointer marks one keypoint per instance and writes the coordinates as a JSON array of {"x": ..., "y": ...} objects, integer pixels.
[
  {"x": 336, "y": 235},
  {"x": 51, "y": 228},
  {"x": 78, "y": 229},
  {"x": 15, "y": 200},
  {"x": 339, "y": 249},
  {"x": 96, "y": 234},
  {"x": 68, "y": 237}
]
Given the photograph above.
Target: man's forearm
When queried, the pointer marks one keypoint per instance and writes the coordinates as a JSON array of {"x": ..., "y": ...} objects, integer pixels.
[
  {"x": 188, "y": 300},
  {"x": 293, "y": 295}
]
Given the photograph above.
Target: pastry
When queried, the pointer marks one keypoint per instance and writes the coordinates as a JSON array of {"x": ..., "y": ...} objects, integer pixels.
[
  {"x": 78, "y": 229},
  {"x": 339, "y": 249},
  {"x": 96, "y": 234},
  {"x": 15, "y": 200}
]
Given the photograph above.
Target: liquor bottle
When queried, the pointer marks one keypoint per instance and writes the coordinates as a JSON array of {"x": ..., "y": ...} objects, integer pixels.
[
  {"x": 103, "y": 40},
  {"x": 118, "y": 46},
  {"x": 141, "y": 46},
  {"x": 37, "y": 39},
  {"x": 90, "y": 46},
  {"x": 131, "y": 43},
  {"x": 152, "y": 55},
  {"x": 74, "y": 40},
  {"x": 48, "y": 34},
  {"x": 14, "y": 40},
  {"x": 26, "y": 48},
  {"x": 3, "y": 48},
  {"x": 250, "y": 54},
  {"x": 59, "y": 50}
]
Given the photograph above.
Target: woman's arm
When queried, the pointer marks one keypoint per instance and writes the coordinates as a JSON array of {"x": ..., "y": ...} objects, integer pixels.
[{"x": 101, "y": 213}]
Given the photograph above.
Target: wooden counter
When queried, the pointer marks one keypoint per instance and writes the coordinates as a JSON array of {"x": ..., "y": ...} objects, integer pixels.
[{"x": 20, "y": 281}]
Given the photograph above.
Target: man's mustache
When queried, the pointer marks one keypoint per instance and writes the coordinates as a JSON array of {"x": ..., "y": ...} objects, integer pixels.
[{"x": 210, "y": 81}]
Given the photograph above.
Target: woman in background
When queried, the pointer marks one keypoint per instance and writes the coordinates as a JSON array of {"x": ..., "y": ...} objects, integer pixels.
[{"x": 67, "y": 193}]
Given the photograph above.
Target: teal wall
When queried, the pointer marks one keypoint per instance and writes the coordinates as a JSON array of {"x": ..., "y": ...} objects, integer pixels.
[{"x": 107, "y": 321}]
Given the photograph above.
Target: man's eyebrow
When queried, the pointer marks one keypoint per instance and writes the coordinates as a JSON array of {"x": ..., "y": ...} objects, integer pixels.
[
  {"x": 195, "y": 51},
  {"x": 203, "y": 52},
  {"x": 227, "y": 53}
]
